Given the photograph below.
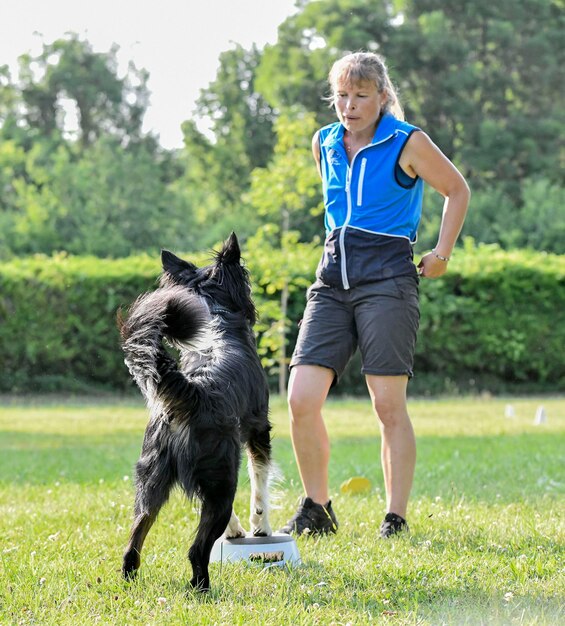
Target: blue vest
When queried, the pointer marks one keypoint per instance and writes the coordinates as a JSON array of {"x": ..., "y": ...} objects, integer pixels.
[{"x": 373, "y": 208}]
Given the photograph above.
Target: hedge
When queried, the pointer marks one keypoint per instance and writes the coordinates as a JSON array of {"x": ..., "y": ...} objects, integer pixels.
[{"x": 494, "y": 322}]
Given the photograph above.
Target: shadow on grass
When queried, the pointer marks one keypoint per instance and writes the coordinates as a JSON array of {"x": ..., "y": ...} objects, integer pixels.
[
  {"x": 43, "y": 458},
  {"x": 505, "y": 468},
  {"x": 390, "y": 595},
  {"x": 438, "y": 603}
]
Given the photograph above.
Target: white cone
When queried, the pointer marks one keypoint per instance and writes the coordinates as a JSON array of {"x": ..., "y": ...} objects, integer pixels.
[
  {"x": 509, "y": 411},
  {"x": 541, "y": 416}
]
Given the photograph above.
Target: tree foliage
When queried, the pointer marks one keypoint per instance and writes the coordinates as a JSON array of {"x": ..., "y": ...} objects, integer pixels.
[
  {"x": 69, "y": 75},
  {"x": 286, "y": 195},
  {"x": 218, "y": 164},
  {"x": 104, "y": 188},
  {"x": 106, "y": 201},
  {"x": 287, "y": 191},
  {"x": 482, "y": 78}
]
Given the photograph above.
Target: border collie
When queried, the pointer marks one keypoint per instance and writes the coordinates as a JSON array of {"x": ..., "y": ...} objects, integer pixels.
[{"x": 204, "y": 403}]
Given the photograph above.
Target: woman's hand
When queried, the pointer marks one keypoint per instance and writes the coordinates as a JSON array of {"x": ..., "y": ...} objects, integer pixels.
[{"x": 430, "y": 266}]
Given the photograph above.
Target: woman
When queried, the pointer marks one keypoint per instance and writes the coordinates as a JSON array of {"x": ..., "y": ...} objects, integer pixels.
[{"x": 372, "y": 165}]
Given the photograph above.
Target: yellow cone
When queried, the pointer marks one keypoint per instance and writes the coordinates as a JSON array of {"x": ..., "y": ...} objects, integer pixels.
[{"x": 355, "y": 484}]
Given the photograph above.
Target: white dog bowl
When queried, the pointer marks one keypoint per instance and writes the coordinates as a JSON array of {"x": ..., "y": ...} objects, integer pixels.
[{"x": 276, "y": 550}]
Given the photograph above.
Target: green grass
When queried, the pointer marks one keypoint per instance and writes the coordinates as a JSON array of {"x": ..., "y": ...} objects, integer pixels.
[{"x": 486, "y": 543}]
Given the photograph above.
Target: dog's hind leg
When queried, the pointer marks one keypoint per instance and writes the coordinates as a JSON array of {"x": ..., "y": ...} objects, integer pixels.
[
  {"x": 154, "y": 478},
  {"x": 211, "y": 474},
  {"x": 132, "y": 554},
  {"x": 215, "y": 515},
  {"x": 258, "y": 466}
]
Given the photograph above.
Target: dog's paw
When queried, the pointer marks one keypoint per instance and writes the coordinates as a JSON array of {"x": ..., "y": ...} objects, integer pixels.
[
  {"x": 260, "y": 526},
  {"x": 200, "y": 584},
  {"x": 235, "y": 533},
  {"x": 262, "y": 529},
  {"x": 130, "y": 565},
  {"x": 234, "y": 529}
]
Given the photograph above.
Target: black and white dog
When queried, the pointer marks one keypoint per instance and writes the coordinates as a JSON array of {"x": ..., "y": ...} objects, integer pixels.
[{"x": 203, "y": 406}]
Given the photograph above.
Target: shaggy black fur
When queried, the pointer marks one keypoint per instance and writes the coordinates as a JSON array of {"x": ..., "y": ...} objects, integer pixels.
[{"x": 204, "y": 406}]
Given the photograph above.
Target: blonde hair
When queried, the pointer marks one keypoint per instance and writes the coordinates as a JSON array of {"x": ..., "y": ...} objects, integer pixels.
[{"x": 366, "y": 67}]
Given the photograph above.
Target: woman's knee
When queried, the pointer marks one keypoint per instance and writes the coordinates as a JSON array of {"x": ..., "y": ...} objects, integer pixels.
[
  {"x": 307, "y": 391},
  {"x": 388, "y": 395},
  {"x": 390, "y": 414},
  {"x": 302, "y": 403}
]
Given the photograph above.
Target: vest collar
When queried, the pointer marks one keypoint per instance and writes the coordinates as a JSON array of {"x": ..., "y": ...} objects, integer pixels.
[{"x": 386, "y": 127}]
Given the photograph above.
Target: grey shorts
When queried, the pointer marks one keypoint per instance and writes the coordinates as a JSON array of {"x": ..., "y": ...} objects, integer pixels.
[{"x": 381, "y": 318}]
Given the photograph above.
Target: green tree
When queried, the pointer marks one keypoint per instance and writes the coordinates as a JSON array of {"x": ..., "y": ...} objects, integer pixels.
[
  {"x": 9, "y": 100},
  {"x": 287, "y": 195},
  {"x": 288, "y": 191},
  {"x": 235, "y": 107},
  {"x": 484, "y": 78},
  {"x": 12, "y": 168},
  {"x": 541, "y": 219},
  {"x": 107, "y": 189},
  {"x": 218, "y": 164},
  {"x": 294, "y": 70},
  {"x": 68, "y": 74},
  {"x": 108, "y": 201}
]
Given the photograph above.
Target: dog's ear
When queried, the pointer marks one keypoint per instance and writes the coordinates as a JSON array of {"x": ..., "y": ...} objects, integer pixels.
[
  {"x": 175, "y": 265},
  {"x": 230, "y": 252}
]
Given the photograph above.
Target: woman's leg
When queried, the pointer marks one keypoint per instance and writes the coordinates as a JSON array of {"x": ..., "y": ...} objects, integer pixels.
[
  {"x": 398, "y": 445},
  {"x": 307, "y": 391}
]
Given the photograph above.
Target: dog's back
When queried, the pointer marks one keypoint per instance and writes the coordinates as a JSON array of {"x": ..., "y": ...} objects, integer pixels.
[
  {"x": 217, "y": 374},
  {"x": 204, "y": 404}
]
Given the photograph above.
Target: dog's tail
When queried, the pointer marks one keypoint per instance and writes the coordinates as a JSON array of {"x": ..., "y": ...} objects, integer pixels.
[{"x": 171, "y": 313}]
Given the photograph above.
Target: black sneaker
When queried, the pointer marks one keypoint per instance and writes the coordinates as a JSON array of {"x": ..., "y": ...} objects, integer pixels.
[
  {"x": 311, "y": 518},
  {"x": 392, "y": 525}
]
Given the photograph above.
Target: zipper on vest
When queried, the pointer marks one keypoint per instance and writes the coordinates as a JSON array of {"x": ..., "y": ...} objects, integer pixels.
[
  {"x": 344, "y": 278},
  {"x": 360, "y": 184}
]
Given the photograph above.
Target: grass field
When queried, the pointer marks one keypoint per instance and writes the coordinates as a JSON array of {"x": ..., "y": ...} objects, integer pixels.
[{"x": 487, "y": 523}]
